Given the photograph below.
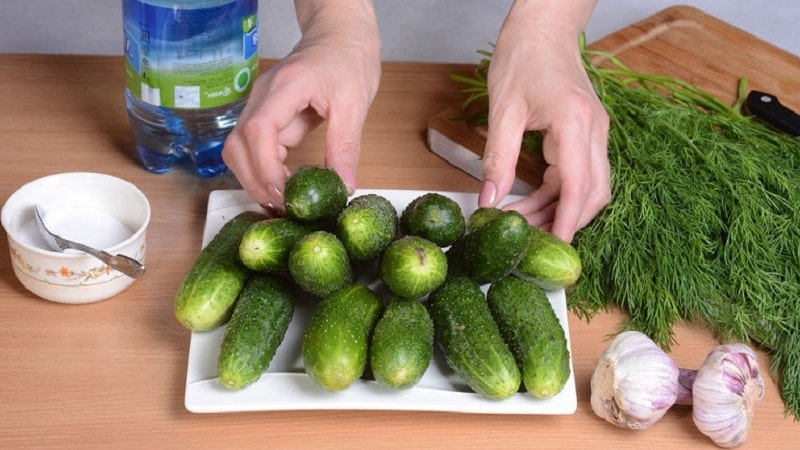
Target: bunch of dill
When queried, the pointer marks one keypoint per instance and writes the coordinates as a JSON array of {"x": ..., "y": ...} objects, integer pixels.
[{"x": 704, "y": 223}]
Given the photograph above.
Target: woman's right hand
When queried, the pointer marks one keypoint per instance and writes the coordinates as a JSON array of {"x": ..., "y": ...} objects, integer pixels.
[{"x": 332, "y": 74}]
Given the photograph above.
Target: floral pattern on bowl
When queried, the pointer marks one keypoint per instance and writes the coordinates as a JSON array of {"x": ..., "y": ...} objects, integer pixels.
[{"x": 63, "y": 275}]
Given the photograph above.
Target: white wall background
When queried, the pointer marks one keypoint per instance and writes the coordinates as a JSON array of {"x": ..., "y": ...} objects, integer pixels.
[{"x": 412, "y": 30}]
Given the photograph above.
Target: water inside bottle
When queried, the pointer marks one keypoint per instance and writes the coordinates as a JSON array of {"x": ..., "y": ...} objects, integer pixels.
[{"x": 165, "y": 137}]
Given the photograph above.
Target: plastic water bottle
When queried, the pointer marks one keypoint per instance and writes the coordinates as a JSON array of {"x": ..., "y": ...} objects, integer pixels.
[{"x": 189, "y": 67}]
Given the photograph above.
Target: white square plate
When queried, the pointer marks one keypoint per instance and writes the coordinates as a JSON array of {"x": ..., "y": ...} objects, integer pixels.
[{"x": 285, "y": 386}]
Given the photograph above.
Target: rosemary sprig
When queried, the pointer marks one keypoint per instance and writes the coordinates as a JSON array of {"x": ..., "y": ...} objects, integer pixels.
[{"x": 704, "y": 224}]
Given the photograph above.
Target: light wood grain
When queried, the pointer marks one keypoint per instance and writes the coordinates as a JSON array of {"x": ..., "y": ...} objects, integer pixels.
[{"x": 112, "y": 374}]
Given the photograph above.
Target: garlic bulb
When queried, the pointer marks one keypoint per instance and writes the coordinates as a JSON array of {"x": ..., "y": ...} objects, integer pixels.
[
  {"x": 726, "y": 390},
  {"x": 635, "y": 382}
]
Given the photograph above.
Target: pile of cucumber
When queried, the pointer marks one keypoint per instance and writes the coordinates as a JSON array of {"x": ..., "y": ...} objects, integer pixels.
[{"x": 432, "y": 262}]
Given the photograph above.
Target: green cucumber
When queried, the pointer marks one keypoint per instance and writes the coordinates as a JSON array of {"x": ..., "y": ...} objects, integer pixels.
[
  {"x": 257, "y": 327},
  {"x": 549, "y": 261},
  {"x": 206, "y": 296},
  {"x": 266, "y": 244},
  {"x": 314, "y": 193},
  {"x": 435, "y": 217},
  {"x": 366, "y": 226},
  {"x": 401, "y": 347},
  {"x": 336, "y": 339},
  {"x": 481, "y": 217},
  {"x": 493, "y": 250},
  {"x": 319, "y": 263},
  {"x": 411, "y": 267},
  {"x": 470, "y": 340},
  {"x": 532, "y": 330}
]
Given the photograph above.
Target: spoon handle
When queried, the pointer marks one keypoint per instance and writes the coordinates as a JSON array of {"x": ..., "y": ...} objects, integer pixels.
[{"x": 122, "y": 263}]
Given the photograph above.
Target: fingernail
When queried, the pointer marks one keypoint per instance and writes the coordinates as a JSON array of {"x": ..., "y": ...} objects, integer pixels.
[
  {"x": 275, "y": 192},
  {"x": 271, "y": 211},
  {"x": 487, "y": 195},
  {"x": 275, "y": 207}
]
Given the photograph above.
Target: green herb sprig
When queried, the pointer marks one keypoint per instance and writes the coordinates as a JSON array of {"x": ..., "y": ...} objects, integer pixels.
[{"x": 704, "y": 224}]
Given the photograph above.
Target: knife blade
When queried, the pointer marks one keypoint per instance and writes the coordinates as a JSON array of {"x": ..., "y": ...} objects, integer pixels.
[{"x": 768, "y": 109}]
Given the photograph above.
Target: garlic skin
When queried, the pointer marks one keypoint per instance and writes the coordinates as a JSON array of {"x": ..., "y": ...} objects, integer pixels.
[
  {"x": 635, "y": 382},
  {"x": 725, "y": 393}
]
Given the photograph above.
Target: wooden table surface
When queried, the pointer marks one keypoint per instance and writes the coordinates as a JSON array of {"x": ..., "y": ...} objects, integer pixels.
[{"x": 111, "y": 374}]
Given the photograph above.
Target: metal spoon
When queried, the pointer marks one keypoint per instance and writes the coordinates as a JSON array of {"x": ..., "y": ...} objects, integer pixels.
[{"x": 122, "y": 263}]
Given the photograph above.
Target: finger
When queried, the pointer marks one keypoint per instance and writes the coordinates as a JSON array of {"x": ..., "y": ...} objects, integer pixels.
[
  {"x": 294, "y": 133},
  {"x": 538, "y": 216},
  {"x": 600, "y": 193},
  {"x": 237, "y": 158},
  {"x": 574, "y": 170},
  {"x": 266, "y": 159},
  {"x": 502, "y": 149},
  {"x": 343, "y": 144},
  {"x": 541, "y": 197}
]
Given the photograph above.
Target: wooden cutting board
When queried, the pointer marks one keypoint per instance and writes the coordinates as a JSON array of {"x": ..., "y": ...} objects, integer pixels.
[{"x": 680, "y": 41}]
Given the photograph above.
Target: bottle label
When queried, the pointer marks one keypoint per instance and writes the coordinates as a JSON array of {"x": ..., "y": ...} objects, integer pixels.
[{"x": 190, "y": 58}]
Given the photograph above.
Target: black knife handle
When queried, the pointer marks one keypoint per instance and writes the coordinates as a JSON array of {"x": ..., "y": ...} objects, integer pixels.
[{"x": 768, "y": 109}]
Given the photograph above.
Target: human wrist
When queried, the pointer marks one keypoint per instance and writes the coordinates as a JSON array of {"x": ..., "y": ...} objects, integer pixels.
[
  {"x": 551, "y": 19},
  {"x": 343, "y": 23}
]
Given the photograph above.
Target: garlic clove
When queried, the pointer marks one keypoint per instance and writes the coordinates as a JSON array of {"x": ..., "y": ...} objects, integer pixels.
[
  {"x": 685, "y": 381},
  {"x": 635, "y": 382},
  {"x": 725, "y": 393}
]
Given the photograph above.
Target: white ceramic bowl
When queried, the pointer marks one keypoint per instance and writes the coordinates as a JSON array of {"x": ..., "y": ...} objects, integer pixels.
[{"x": 96, "y": 209}]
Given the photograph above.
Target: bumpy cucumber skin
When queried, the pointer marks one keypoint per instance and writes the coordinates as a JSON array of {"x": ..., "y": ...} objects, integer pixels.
[
  {"x": 401, "y": 348},
  {"x": 314, "y": 193},
  {"x": 374, "y": 201},
  {"x": 366, "y": 226},
  {"x": 266, "y": 244},
  {"x": 319, "y": 263},
  {"x": 481, "y": 217},
  {"x": 493, "y": 250},
  {"x": 257, "y": 327},
  {"x": 470, "y": 340},
  {"x": 549, "y": 261},
  {"x": 206, "y": 296},
  {"x": 411, "y": 267},
  {"x": 532, "y": 331},
  {"x": 336, "y": 339},
  {"x": 435, "y": 217}
]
